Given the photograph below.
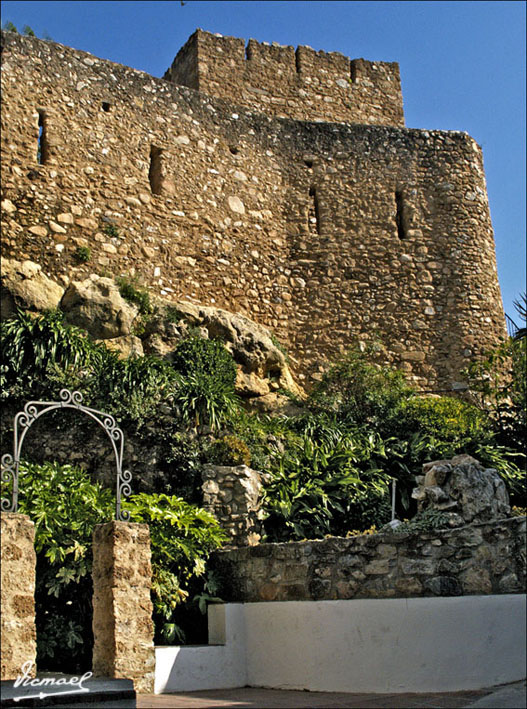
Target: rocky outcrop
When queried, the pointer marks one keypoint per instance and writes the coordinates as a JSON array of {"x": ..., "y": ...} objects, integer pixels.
[
  {"x": 464, "y": 489},
  {"x": 96, "y": 305},
  {"x": 25, "y": 286},
  {"x": 262, "y": 365}
]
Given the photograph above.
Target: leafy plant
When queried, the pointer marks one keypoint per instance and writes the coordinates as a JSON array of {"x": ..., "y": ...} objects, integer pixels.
[
  {"x": 229, "y": 450},
  {"x": 359, "y": 391},
  {"x": 196, "y": 354},
  {"x": 65, "y": 506},
  {"x": 111, "y": 230},
  {"x": 205, "y": 391},
  {"x": 182, "y": 537},
  {"x": 326, "y": 482},
  {"x": 173, "y": 315},
  {"x": 131, "y": 291},
  {"x": 34, "y": 347},
  {"x": 82, "y": 254},
  {"x": 498, "y": 383},
  {"x": 203, "y": 399},
  {"x": 423, "y": 523}
]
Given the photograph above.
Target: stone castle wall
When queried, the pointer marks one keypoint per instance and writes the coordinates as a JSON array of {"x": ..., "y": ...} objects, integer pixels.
[
  {"x": 287, "y": 83},
  {"x": 325, "y": 233}
]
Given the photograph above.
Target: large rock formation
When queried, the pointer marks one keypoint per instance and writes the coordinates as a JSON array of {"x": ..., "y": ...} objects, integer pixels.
[
  {"x": 25, "y": 286},
  {"x": 262, "y": 365},
  {"x": 462, "y": 487},
  {"x": 96, "y": 305}
]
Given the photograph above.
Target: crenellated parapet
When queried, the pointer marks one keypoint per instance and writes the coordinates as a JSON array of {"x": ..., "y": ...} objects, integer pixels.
[{"x": 280, "y": 81}]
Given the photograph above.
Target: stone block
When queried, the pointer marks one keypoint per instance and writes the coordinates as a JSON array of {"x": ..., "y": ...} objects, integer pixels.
[
  {"x": 122, "y": 608},
  {"x": 18, "y": 594}
]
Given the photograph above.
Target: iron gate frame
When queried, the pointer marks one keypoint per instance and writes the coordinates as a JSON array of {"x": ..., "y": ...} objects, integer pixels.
[{"x": 33, "y": 410}]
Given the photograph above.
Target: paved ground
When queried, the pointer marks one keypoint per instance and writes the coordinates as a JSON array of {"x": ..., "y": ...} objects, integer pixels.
[{"x": 506, "y": 697}]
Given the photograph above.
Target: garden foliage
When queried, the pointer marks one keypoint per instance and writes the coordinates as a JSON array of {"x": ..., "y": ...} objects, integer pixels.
[
  {"x": 65, "y": 506},
  {"x": 329, "y": 469}
]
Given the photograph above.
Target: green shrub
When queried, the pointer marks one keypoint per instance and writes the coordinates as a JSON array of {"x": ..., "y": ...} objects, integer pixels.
[
  {"x": 423, "y": 523},
  {"x": 229, "y": 450},
  {"x": 133, "y": 388},
  {"x": 449, "y": 420},
  {"x": 498, "y": 383},
  {"x": 65, "y": 506},
  {"x": 203, "y": 399},
  {"x": 326, "y": 482},
  {"x": 82, "y": 254},
  {"x": 360, "y": 392},
  {"x": 111, "y": 230},
  {"x": 210, "y": 357},
  {"x": 182, "y": 537},
  {"x": 34, "y": 349},
  {"x": 136, "y": 294},
  {"x": 205, "y": 391}
]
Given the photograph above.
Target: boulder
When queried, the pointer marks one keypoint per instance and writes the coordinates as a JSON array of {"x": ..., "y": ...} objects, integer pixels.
[
  {"x": 124, "y": 346},
  {"x": 96, "y": 305},
  {"x": 464, "y": 488},
  {"x": 24, "y": 286}
]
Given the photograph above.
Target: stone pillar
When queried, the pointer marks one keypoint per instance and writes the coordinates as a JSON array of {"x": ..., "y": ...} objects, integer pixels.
[
  {"x": 122, "y": 610},
  {"x": 19, "y": 635},
  {"x": 232, "y": 495}
]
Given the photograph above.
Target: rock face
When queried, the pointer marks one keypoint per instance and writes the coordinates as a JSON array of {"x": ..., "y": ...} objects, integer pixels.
[
  {"x": 96, "y": 305},
  {"x": 25, "y": 286},
  {"x": 262, "y": 366},
  {"x": 462, "y": 486}
]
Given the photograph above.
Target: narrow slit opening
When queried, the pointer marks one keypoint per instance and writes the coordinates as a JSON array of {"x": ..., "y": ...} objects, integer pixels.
[
  {"x": 42, "y": 146},
  {"x": 353, "y": 72},
  {"x": 399, "y": 215},
  {"x": 155, "y": 176},
  {"x": 297, "y": 61},
  {"x": 248, "y": 53},
  {"x": 313, "y": 212}
]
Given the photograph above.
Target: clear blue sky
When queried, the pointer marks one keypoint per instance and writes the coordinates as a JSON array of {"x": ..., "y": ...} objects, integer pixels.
[{"x": 462, "y": 68}]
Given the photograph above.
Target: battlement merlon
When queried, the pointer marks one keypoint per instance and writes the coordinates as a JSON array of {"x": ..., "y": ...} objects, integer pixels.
[{"x": 302, "y": 84}]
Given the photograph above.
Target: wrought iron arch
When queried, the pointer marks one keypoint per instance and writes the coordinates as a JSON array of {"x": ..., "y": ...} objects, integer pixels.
[{"x": 33, "y": 410}]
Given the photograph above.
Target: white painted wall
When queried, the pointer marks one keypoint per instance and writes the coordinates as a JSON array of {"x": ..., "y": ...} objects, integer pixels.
[
  {"x": 220, "y": 665},
  {"x": 362, "y": 645}
]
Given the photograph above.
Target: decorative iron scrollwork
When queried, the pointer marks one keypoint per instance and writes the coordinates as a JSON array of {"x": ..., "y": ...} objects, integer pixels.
[{"x": 69, "y": 400}]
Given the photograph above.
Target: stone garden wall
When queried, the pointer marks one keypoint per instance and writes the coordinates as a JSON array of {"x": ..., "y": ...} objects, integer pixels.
[{"x": 471, "y": 560}]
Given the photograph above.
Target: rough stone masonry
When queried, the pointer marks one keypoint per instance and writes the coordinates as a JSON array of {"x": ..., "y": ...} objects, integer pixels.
[{"x": 278, "y": 184}]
